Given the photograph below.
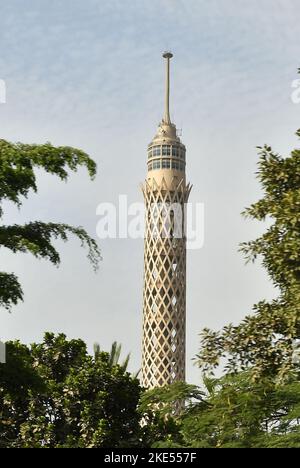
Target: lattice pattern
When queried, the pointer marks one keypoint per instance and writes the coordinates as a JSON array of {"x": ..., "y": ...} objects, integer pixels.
[{"x": 164, "y": 289}]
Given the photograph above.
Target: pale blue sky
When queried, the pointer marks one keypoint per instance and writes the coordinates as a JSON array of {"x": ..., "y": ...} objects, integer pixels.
[{"x": 90, "y": 74}]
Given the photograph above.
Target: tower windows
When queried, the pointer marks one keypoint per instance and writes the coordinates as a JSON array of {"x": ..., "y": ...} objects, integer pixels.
[
  {"x": 178, "y": 153},
  {"x": 156, "y": 165},
  {"x": 156, "y": 151},
  {"x": 166, "y": 163},
  {"x": 173, "y": 157},
  {"x": 175, "y": 152},
  {"x": 166, "y": 150}
]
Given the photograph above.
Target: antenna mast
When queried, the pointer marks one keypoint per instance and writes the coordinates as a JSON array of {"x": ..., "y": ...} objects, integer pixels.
[{"x": 167, "y": 56}]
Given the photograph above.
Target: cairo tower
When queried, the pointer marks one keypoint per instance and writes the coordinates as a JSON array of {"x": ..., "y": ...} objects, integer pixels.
[{"x": 164, "y": 297}]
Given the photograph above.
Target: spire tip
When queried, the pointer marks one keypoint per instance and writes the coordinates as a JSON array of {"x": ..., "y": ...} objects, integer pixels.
[{"x": 166, "y": 119}]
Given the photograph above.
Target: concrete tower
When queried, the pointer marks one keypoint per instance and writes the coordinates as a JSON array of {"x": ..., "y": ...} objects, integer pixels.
[{"x": 164, "y": 303}]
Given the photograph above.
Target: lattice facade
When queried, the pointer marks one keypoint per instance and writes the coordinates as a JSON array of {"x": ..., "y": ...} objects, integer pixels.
[{"x": 164, "y": 319}]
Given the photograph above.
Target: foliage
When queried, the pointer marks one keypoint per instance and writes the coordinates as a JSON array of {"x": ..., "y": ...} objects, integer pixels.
[
  {"x": 266, "y": 340},
  {"x": 114, "y": 355},
  {"x": 163, "y": 399},
  {"x": 234, "y": 413},
  {"x": 55, "y": 395},
  {"x": 162, "y": 409},
  {"x": 18, "y": 163}
]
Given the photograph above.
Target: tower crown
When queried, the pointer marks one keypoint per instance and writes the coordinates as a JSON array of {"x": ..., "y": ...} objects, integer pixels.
[{"x": 166, "y": 153}]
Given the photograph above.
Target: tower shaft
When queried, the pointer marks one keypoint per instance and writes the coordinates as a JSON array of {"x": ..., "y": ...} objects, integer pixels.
[{"x": 164, "y": 300}]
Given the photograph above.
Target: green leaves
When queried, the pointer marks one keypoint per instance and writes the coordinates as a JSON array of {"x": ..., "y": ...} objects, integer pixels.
[
  {"x": 234, "y": 412},
  {"x": 18, "y": 163},
  {"x": 263, "y": 342},
  {"x": 36, "y": 238},
  {"x": 10, "y": 290},
  {"x": 55, "y": 395},
  {"x": 163, "y": 400}
]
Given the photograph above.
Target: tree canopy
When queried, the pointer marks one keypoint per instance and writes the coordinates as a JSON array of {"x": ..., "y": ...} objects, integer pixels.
[
  {"x": 18, "y": 165},
  {"x": 55, "y": 395},
  {"x": 266, "y": 340},
  {"x": 230, "y": 412}
]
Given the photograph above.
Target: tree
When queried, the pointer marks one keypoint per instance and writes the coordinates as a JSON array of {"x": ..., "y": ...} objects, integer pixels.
[
  {"x": 18, "y": 163},
  {"x": 114, "y": 355},
  {"x": 230, "y": 412},
  {"x": 55, "y": 395},
  {"x": 266, "y": 341},
  {"x": 162, "y": 425},
  {"x": 18, "y": 380}
]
